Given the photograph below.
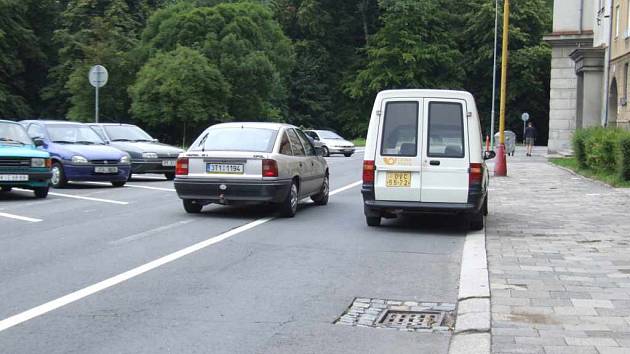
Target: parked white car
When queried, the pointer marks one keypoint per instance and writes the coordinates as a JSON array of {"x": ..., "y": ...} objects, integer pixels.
[
  {"x": 332, "y": 143},
  {"x": 236, "y": 163},
  {"x": 423, "y": 155}
]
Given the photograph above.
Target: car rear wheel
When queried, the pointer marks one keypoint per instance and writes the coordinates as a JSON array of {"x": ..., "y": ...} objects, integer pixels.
[
  {"x": 325, "y": 151},
  {"x": 322, "y": 197},
  {"x": 192, "y": 207},
  {"x": 373, "y": 220},
  {"x": 6, "y": 189},
  {"x": 58, "y": 178},
  {"x": 118, "y": 184},
  {"x": 475, "y": 221},
  {"x": 290, "y": 204},
  {"x": 347, "y": 154},
  {"x": 41, "y": 192},
  {"x": 170, "y": 176}
]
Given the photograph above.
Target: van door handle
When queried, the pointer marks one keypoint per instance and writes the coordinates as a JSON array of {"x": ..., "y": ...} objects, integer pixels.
[{"x": 434, "y": 163}]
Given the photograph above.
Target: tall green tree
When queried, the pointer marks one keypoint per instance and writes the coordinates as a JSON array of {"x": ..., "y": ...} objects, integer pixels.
[
  {"x": 179, "y": 91},
  {"x": 244, "y": 42}
]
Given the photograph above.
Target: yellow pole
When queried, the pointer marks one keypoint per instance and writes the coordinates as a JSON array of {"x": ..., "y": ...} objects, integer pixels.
[{"x": 501, "y": 165}]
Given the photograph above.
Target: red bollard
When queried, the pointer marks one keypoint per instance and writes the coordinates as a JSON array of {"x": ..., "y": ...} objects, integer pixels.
[{"x": 500, "y": 167}]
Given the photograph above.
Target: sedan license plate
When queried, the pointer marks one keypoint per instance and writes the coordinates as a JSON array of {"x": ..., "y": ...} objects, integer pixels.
[
  {"x": 169, "y": 163},
  {"x": 13, "y": 178},
  {"x": 222, "y": 168},
  {"x": 398, "y": 179},
  {"x": 106, "y": 169}
]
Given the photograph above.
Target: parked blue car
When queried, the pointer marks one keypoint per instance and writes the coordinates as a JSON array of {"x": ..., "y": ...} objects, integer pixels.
[
  {"x": 21, "y": 164},
  {"x": 78, "y": 153}
]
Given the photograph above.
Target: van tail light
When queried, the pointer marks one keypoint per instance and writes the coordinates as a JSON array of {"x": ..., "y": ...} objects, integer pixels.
[
  {"x": 368, "y": 172},
  {"x": 181, "y": 167},
  {"x": 269, "y": 168},
  {"x": 475, "y": 173}
]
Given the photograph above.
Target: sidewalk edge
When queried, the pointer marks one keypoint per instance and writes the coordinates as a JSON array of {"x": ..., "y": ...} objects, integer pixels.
[{"x": 472, "y": 328}]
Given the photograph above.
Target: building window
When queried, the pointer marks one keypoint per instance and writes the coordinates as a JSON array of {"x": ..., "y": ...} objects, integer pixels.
[{"x": 617, "y": 18}]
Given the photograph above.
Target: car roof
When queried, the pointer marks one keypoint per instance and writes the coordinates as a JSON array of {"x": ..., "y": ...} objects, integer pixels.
[
  {"x": 114, "y": 124},
  {"x": 8, "y": 121},
  {"x": 413, "y": 93},
  {"x": 51, "y": 121},
  {"x": 260, "y": 125}
]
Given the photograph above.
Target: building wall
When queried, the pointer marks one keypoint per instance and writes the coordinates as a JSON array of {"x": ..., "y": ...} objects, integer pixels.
[
  {"x": 620, "y": 62},
  {"x": 566, "y": 15},
  {"x": 601, "y": 25},
  {"x": 562, "y": 102}
]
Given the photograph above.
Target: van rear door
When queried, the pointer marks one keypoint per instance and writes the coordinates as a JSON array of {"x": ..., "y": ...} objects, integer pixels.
[
  {"x": 445, "y": 152},
  {"x": 397, "y": 161}
]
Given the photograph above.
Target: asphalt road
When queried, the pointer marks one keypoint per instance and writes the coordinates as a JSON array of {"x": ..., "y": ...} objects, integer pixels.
[{"x": 275, "y": 287}]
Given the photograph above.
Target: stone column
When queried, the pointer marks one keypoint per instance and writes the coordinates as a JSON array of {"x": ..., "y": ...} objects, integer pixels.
[{"x": 589, "y": 68}]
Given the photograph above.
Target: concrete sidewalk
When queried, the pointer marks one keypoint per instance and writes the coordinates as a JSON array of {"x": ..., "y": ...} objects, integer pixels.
[{"x": 559, "y": 261}]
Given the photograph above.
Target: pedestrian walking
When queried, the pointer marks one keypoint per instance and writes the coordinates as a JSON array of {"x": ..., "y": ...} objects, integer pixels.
[{"x": 530, "y": 137}]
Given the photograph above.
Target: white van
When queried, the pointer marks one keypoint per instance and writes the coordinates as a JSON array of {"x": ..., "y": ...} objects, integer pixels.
[{"x": 424, "y": 154}]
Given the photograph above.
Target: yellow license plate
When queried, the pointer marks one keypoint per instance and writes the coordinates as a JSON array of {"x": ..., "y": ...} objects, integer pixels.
[{"x": 398, "y": 179}]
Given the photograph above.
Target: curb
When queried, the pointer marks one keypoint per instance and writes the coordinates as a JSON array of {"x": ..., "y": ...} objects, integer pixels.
[{"x": 472, "y": 328}]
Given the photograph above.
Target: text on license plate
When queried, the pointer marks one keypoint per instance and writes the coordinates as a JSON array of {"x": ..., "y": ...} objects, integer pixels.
[
  {"x": 169, "y": 163},
  {"x": 13, "y": 178},
  {"x": 398, "y": 179},
  {"x": 106, "y": 169},
  {"x": 224, "y": 168}
]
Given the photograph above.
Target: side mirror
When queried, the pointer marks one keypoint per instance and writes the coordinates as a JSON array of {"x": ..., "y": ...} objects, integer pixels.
[
  {"x": 488, "y": 155},
  {"x": 155, "y": 140},
  {"x": 319, "y": 151},
  {"x": 38, "y": 142}
]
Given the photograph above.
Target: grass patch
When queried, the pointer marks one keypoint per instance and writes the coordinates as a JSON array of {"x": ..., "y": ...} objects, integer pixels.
[
  {"x": 359, "y": 142},
  {"x": 607, "y": 177}
]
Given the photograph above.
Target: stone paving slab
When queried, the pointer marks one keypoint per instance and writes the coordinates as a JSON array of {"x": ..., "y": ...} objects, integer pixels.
[{"x": 559, "y": 261}]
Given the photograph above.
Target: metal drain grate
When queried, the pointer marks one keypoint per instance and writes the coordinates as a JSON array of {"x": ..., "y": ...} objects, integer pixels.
[
  {"x": 411, "y": 316},
  {"x": 412, "y": 319}
]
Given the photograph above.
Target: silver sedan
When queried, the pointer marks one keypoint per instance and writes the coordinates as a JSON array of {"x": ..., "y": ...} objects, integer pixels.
[{"x": 237, "y": 163}]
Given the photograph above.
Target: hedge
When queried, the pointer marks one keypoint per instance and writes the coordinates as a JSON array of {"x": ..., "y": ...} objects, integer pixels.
[{"x": 603, "y": 149}]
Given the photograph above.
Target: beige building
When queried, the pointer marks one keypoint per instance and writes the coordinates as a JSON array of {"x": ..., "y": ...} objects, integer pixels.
[
  {"x": 618, "y": 108},
  {"x": 579, "y": 44}
]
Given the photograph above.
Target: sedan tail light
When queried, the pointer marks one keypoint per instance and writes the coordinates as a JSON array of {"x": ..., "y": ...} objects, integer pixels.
[
  {"x": 269, "y": 168},
  {"x": 181, "y": 167},
  {"x": 368, "y": 172}
]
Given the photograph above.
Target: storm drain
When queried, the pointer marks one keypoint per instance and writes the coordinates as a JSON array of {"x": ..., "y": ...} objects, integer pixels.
[{"x": 411, "y": 316}]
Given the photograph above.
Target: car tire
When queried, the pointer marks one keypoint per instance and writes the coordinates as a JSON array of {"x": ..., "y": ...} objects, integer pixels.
[
  {"x": 41, "y": 192},
  {"x": 288, "y": 208},
  {"x": 58, "y": 179},
  {"x": 6, "y": 189},
  {"x": 373, "y": 220},
  {"x": 170, "y": 176},
  {"x": 475, "y": 221},
  {"x": 118, "y": 184},
  {"x": 322, "y": 197},
  {"x": 325, "y": 151},
  {"x": 192, "y": 207},
  {"x": 347, "y": 155}
]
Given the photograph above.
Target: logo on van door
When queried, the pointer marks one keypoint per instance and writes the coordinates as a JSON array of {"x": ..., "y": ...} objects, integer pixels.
[{"x": 397, "y": 161}]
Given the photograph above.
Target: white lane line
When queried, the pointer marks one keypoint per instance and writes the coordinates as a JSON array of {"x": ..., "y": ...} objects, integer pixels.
[
  {"x": 88, "y": 198},
  {"x": 120, "y": 278},
  {"x": 148, "y": 233},
  {"x": 18, "y": 217},
  {"x": 136, "y": 186}
]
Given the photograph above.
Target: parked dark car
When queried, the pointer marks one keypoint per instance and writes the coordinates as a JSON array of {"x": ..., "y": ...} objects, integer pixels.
[
  {"x": 147, "y": 154},
  {"x": 78, "y": 153}
]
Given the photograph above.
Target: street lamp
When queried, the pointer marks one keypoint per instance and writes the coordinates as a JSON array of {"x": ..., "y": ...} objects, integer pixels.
[
  {"x": 494, "y": 70},
  {"x": 500, "y": 169}
]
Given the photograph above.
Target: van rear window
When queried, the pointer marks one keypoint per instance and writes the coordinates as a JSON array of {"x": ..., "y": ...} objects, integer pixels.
[
  {"x": 400, "y": 129},
  {"x": 446, "y": 130}
]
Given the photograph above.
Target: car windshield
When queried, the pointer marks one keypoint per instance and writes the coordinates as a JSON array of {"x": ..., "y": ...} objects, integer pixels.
[
  {"x": 236, "y": 139},
  {"x": 126, "y": 133},
  {"x": 11, "y": 133},
  {"x": 326, "y": 134},
  {"x": 73, "y": 134}
]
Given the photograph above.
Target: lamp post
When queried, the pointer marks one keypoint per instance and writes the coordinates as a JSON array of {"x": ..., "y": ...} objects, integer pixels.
[
  {"x": 494, "y": 70},
  {"x": 500, "y": 168}
]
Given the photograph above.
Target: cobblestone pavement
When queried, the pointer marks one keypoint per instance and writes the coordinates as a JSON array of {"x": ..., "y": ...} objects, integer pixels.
[{"x": 559, "y": 261}]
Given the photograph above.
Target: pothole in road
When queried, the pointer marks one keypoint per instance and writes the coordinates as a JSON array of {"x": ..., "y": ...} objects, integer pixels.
[{"x": 409, "y": 316}]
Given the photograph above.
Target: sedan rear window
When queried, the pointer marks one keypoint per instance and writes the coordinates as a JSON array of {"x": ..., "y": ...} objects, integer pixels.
[{"x": 236, "y": 139}]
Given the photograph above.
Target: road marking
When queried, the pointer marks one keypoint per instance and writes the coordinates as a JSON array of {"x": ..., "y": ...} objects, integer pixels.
[
  {"x": 18, "y": 217},
  {"x": 120, "y": 278},
  {"x": 88, "y": 198},
  {"x": 136, "y": 186},
  {"x": 144, "y": 234}
]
